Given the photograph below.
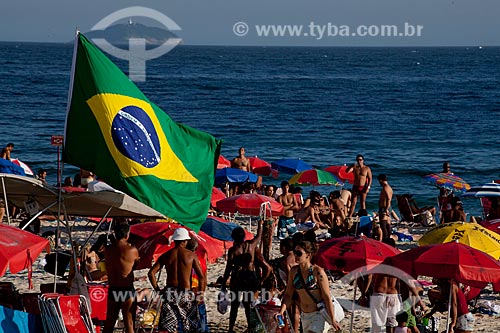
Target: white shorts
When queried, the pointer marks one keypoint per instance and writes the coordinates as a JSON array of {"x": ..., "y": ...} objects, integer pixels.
[
  {"x": 465, "y": 322},
  {"x": 383, "y": 308},
  {"x": 314, "y": 322}
]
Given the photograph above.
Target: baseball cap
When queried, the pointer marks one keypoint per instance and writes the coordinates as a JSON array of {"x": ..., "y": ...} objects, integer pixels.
[{"x": 180, "y": 234}]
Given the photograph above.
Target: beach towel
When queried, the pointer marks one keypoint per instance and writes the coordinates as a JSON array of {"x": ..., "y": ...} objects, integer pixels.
[{"x": 13, "y": 321}]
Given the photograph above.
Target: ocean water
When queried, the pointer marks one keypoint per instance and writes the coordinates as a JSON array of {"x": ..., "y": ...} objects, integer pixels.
[{"x": 407, "y": 110}]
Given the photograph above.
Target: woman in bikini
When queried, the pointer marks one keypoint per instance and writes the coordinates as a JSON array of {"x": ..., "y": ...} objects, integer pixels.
[{"x": 311, "y": 286}]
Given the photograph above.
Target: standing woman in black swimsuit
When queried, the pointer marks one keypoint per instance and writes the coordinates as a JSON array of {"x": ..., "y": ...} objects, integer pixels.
[{"x": 311, "y": 285}]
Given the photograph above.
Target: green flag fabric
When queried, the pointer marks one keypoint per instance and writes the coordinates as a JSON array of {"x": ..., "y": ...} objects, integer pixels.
[{"x": 113, "y": 130}]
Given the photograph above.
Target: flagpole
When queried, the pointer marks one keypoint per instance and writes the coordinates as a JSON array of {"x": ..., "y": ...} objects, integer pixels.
[{"x": 71, "y": 81}]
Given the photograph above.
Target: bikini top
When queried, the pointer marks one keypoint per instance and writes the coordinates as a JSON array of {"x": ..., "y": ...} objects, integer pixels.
[{"x": 310, "y": 280}]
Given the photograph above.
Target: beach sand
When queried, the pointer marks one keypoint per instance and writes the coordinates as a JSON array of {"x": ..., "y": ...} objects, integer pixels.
[{"x": 218, "y": 322}]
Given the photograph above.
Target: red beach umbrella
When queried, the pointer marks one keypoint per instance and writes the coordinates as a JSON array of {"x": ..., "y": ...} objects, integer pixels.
[
  {"x": 248, "y": 204},
  {"x": 259, "y": 166},
  {"x": 452, "y": 260},
  {"x": 346, "y": 254},
  {"x": 223, "y": 162},
  {"x": 340, "y": 172},
  {"x": 19, "y": 248},
  {"x": 152, "y": 240},
  {"x": 217, "y": 195}
]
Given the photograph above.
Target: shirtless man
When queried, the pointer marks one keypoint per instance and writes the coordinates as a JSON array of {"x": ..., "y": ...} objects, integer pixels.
[
  {"x": 384, "y": 206},
  {"x": 179, "y": 308},
  {"x": 5, "y": 153},
  {"x": 286, "y": 221},
  {"x": 362, "y": 183},
  {"x": 241, "y": 162},
  {"x": 121, "y": 257},
  {"x": 384, "y": 303},
  {"x": 241, "y": 267}
]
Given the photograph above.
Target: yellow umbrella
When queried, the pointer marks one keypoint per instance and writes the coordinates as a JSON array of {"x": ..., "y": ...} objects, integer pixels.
[{"x": 471, "y": 234}]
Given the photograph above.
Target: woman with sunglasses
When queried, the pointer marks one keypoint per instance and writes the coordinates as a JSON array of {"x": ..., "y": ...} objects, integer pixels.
[{"x": 310, "y": 284}]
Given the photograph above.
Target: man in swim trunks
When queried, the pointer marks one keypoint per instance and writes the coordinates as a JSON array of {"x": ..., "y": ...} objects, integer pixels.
[
  {"x": 286, "y": 222},
  {"x": 121, "y": 258},
  {"x": 179, "y": 310},
  {"x": 384, "y": 303},
  {"x": 362, "y": 183},
  {"x": 384, "y": 206}
]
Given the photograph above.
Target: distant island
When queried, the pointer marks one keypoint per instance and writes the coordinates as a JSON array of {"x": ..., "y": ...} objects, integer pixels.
[{"x": 119, "y": 34}]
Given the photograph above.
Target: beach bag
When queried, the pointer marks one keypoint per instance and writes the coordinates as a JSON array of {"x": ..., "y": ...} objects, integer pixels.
[
  {"x": 337, "y": 308},
  {"x": 223, "y": 301}
]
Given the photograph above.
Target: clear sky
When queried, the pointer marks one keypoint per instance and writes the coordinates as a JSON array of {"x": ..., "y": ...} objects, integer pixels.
[{"x": 212, "y": 22}]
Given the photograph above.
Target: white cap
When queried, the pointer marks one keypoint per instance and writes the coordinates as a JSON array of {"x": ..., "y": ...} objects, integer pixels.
[{"x": 180, "y": 234}]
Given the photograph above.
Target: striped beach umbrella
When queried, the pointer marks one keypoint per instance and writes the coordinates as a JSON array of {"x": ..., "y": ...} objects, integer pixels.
[
  {"x": 484, "y": 191},
  {"x": 447, "y": 181}
]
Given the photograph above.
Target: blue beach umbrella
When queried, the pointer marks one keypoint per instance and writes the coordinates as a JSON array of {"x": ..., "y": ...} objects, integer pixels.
[
  {"x": 291, "y": 166},
  {"x": 232, "y": 175},
  {"x": 218, "y": 229}
]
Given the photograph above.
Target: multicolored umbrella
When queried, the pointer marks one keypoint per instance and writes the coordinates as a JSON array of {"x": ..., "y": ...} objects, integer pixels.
[
  {"x": 448, "y": 181},
  {"x": 259, "y": 166},
  {"x": 291, "y": 166},
  {"x": 249, "y": 204},
  {"x": 471, "y": 234},
  {"x": 26, "y": 168},
  {"x": 315, "y": 177},
  {"x": 340, "y": 172},
  {"x": 484, "y": 191}
]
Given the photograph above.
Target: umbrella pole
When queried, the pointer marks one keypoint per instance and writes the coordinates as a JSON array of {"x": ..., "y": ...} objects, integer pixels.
[
  {"x": 59, "y": 200},
  {"x": 93, "y": 231},
  {"x": 449, "y": 308},
  {"x": 353, "y": 308},
  {"x": 38, "y": 214},
  {"x": 5, "y": 201}
]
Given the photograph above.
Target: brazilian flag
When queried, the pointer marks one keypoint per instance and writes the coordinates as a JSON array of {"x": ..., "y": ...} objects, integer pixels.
[{"x": 113, "y": 130}]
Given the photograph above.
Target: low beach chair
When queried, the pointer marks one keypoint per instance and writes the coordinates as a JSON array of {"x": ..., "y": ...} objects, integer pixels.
[{"x": 410, "y": 212}]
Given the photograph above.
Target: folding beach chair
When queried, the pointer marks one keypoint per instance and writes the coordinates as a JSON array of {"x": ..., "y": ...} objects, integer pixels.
[
  {"x": 98, "y": 303},
  {"x": 410, "y": 212},
  {"x": 65, "y": 314}
]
